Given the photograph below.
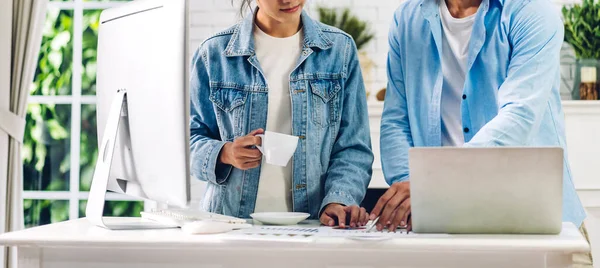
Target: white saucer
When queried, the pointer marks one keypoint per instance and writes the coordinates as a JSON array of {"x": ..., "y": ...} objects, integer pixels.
[{"x": 280, "y": 218}]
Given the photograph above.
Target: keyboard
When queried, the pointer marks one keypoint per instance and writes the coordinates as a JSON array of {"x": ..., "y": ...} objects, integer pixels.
[{"x": 179, "y": 217}]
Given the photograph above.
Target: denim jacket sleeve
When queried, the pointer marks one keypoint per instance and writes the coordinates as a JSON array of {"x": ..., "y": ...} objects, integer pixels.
[
  {"x": 351, "y": 163},
  {"x": 536, "y": 35},
  {"x": 396, "y": 136},
  {"x": 205, "y": 141}
]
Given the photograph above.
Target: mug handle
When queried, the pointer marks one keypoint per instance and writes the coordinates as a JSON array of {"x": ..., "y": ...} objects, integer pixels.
[{"x": 260, "y": 147}]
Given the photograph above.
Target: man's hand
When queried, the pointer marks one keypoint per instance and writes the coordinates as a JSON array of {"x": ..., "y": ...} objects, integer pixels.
[
  {"x": 393, "y": 208},
  {"x": 353, "y": 216},
  {"x": 240, "y": 153}
]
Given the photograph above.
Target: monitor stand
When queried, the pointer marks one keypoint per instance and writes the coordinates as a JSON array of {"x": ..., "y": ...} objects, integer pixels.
[{"x": 95, "y": 205}]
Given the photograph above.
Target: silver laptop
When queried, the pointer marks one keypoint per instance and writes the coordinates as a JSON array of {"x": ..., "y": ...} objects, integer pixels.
[{"x": 486, "y": 190}]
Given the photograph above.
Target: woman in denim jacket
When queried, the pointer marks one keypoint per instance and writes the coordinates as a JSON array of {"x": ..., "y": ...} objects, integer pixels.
[{"x": 284, "y": 72}]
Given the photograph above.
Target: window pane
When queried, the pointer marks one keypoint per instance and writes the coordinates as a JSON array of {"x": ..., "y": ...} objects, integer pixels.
[
  {"x": 40, "y": 212},
  {"x": 54, "y": 71},
  {"x": 89, "y": 146},
  {"x": 46, "y": 148},
  {"x": 116, "y": 208},
  {"x": 91, "y": 20}
]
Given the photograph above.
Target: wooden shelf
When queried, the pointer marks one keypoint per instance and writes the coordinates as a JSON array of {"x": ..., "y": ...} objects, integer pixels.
[
  {"x": 581, "y": 102},
  {"x": 581, "y": 107}
]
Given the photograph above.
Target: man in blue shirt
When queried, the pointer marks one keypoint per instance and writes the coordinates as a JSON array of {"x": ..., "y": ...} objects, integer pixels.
[{"x": 474, "y": 73}]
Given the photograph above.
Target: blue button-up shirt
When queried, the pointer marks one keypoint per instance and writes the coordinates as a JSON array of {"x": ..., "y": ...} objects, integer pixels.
[{"x": 511, "y": 88}]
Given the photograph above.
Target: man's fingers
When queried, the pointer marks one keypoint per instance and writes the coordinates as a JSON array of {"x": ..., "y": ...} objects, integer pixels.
[
  {"x": 395, "y": 220},
  {"x": 382, "y": 202},
  {"x": 326, "y": 220},
  {"x": 390, "y": 207},
  {"x": 401, "y": 217},
  {"x": 406, "y": 204}
]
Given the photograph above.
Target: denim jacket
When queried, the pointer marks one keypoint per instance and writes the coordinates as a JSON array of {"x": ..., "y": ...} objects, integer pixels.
[
  {"x": 511, "y": 95},
  {"x": 228, "y": 90}
]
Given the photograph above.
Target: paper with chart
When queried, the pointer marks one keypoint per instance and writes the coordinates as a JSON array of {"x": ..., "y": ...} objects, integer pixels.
[
  {"x": 361, "y": 232},
  {"x": 268, "y": 230},
  {"x": 320, "y": 231}
]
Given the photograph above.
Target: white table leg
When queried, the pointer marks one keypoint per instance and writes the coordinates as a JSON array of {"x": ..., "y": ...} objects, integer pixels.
[
  {"x": 29, "y": 257},
  {"x": 559, "y": 260}
]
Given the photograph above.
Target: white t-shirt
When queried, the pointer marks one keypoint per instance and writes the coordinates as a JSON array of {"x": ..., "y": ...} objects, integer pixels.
[
  {"x": 455, "y": 50},
  {"x": 278, "y": 58}
]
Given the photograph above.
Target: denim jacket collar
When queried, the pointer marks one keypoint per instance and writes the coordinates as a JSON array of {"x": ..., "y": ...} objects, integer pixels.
[{"x": 242, "y": 41}]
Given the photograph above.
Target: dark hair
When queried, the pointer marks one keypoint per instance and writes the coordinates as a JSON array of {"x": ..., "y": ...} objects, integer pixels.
[{"x": 244, "y": 4}]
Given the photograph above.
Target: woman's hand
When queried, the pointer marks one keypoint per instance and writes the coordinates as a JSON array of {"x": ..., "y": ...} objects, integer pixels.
[
  {"x": 352, "y": 216},
  {"x": 241, "y": 153}
]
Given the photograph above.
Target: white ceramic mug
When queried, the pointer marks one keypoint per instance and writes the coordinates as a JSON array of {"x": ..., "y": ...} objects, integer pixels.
[{"x": 277, "y": 148}]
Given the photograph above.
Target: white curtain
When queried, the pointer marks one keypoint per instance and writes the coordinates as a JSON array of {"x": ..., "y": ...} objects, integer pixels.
[{"x": 26, "y": 35}]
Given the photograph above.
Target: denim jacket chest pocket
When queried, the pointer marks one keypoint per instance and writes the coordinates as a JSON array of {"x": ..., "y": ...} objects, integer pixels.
[
  {"x": 230, "y": 112},
  {"x": 325, "y": 101}
]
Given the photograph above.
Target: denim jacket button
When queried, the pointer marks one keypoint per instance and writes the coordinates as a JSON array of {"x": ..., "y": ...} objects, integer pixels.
[{"x": 300, "y": 186}]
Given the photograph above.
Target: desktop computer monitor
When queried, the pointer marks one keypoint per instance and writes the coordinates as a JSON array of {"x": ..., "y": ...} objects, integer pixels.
[{"x": 142, "y": 107}]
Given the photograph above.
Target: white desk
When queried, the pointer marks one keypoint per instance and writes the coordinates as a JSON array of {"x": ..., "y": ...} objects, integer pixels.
[{"x": 77, "y": 244}]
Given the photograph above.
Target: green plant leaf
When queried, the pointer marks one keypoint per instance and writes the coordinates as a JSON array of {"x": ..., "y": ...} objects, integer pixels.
[
  {"x": 90, "y": 70},
  {"x": 40, "y": 154},
  {"x": 57, "y": 132},
  {"x": 27, "y": 204},
  {"x": 65, "y": 164},
  {"x": 61, "y": 40},
  {"x": 582, "y": 28},
  {"x": 348, "y": 23},
  {"x": 27, "y": 152},
  {"x": 119, "y": 208},
  {"x": 138, "y": 207},
  {"x": 51, "y": 17},
  {"x": 59, "y": 211},
  {"x": 55, "y": 58},
  {"x": 57, "y": 184}
]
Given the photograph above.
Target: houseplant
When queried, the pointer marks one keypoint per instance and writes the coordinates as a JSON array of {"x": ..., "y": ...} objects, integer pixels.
[
  {"x": 356, "y": 28},
  {"x": 582, "y": 32}
]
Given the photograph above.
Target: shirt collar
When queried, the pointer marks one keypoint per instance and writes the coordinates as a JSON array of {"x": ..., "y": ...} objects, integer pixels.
[{"x": 430, "y": 8}]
